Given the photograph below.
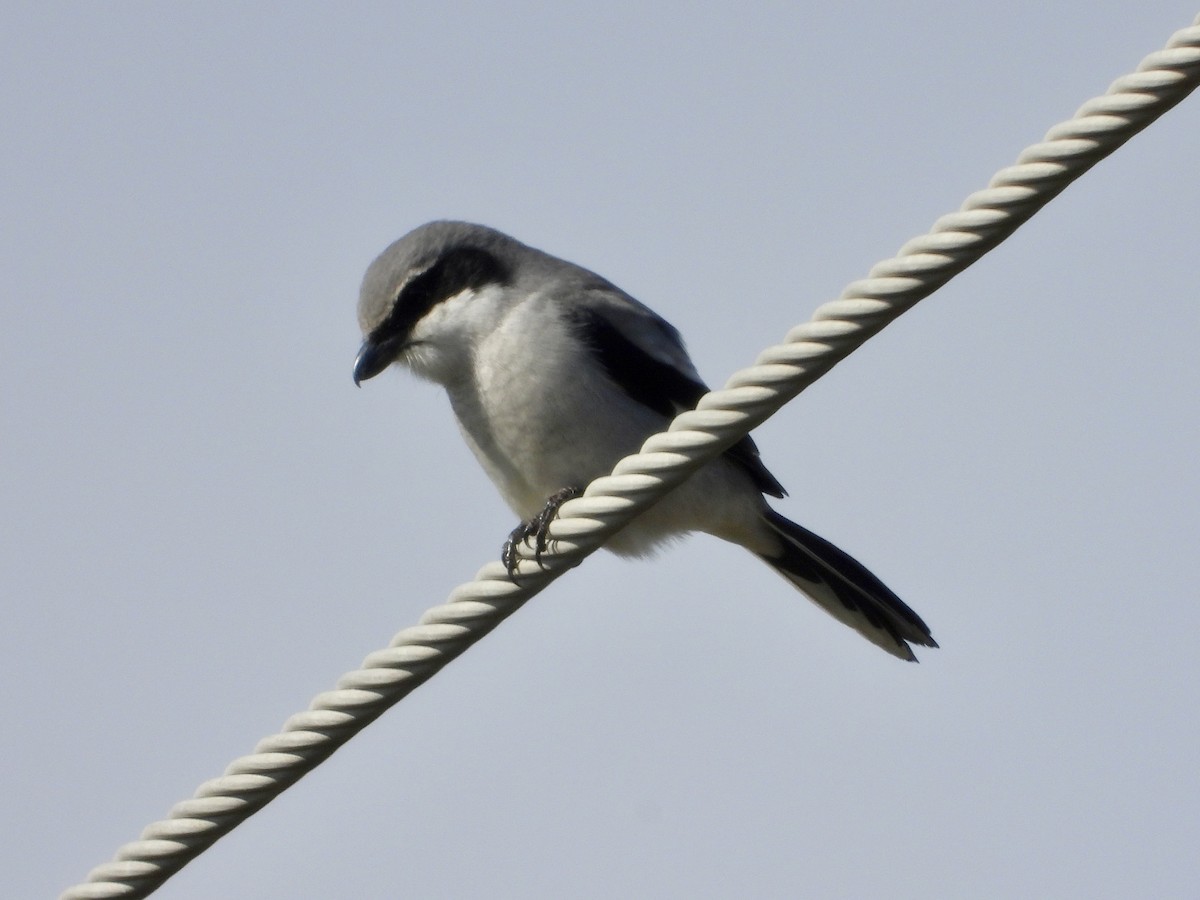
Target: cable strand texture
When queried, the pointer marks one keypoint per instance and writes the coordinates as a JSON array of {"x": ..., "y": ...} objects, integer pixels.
[{"x": 721, "y": 418}]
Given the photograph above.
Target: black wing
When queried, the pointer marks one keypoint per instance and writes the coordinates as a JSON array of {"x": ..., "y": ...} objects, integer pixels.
[{"x": 659, "y": 385}]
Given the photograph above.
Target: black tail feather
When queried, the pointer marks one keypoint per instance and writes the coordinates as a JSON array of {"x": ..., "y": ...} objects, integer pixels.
[{"x": 846, "y": 589}]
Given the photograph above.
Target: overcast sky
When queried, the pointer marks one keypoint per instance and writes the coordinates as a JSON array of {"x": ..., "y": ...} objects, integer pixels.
[{"x": 204, "y": 523}]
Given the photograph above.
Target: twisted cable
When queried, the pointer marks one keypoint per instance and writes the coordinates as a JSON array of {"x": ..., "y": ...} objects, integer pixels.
[{"x": 721, "y": 418}]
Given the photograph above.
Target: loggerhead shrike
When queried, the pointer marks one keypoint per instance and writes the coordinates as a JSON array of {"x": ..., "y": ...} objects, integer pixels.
[{"x": 555, "y": 374}]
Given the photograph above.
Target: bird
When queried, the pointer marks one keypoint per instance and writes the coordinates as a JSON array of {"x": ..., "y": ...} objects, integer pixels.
[{"x": 554, "y": 374}]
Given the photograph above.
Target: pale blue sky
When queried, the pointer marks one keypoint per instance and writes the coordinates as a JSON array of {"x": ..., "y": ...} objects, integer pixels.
[{"x": 205, "y": 524}]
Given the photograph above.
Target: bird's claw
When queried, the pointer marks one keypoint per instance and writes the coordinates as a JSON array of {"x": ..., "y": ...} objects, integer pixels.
[{"x": 536, "y": 529}]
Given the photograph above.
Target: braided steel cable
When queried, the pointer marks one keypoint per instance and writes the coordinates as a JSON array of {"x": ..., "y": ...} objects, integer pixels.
[{"x": 721, "y": 418}]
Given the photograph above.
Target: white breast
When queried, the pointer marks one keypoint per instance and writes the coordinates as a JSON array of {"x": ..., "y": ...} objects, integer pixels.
[{"x": 539, "y": 413}]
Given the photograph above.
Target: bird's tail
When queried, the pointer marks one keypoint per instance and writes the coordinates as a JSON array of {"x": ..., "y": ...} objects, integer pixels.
[{"x": 843, "y": 587}]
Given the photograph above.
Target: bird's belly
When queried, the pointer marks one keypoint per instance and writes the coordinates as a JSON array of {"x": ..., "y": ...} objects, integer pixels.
[
  {"x": 535, "y": 435},
  {"x": 531, "y": 452},
  {"x": 547, "y": 418}
]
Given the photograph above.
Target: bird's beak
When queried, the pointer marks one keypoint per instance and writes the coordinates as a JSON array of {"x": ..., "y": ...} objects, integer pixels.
[{"x": 372, "y": 359}]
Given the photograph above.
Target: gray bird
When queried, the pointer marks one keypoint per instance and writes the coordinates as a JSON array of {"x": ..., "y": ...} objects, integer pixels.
[{"x": 555, "y": 374}]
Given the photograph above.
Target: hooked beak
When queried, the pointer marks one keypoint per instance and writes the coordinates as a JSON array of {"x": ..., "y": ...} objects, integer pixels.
[{"x": 373, "y": 358}]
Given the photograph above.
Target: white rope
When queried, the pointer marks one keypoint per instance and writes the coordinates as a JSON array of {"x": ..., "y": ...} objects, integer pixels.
[{"x": 722, "y": 417}]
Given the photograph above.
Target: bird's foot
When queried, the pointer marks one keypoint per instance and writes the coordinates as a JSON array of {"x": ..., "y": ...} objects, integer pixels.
[{"x": 536, "y": 530}]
